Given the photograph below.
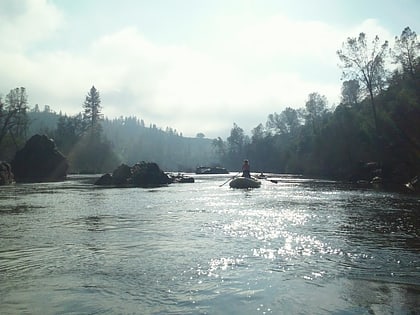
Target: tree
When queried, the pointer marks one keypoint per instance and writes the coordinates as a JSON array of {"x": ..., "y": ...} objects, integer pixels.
[
  {"x": 291, "y": 119},
  {"x": 274, "y": 123},
  {"x": 350, "y": 93},
  {"x": 406, "y": 51},
  {"x": 219, "y": 147},
  {"x": 261, "y": 151},
  {"x": 366, "y": 65},
  {"x": 13, "y": 118},
  {"x": 236, "y": 139},
  {"x": 258, "y": 133},
  {"x": 285, "y": 122},
  {"x": 92, "y": 110},
  {"x": 236, "y": 144},
  {"x": 68, "y": 132},
  {"x": 87, "y": 152},
  {"x": 316, "y": 107}
]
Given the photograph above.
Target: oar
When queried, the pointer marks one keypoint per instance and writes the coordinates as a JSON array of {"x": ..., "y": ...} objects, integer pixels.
[
  {"x": 270, "y": 180},
  {"x": 229, "y": 179}
]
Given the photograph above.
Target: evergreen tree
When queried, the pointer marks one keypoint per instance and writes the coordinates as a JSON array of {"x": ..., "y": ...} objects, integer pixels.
[{"x": 92, "y": 111}]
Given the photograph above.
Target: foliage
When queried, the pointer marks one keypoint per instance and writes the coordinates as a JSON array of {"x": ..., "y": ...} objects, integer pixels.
[
  {"x": 350, "y": 93},
  {"x": 311, "y": 140},
  {"x": 315, "y": 108},
  {"x": 88, "y": 155},
  {"x": 13, "y": 121},
  {"x": 406, "y": 51},
  {"x": 126, "y": 139},
  {"x": 285, "y": 122},
  {"x": 365, "y": 64},
  {"x": 42, "y": 122},
  {"x": 340, "y": 143},
  {"x": 134, "y": 142},
  {"x": 92, "y": 115}
]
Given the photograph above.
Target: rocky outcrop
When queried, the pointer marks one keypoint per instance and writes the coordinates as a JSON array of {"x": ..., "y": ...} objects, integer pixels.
[
  {"x": 6, "y": 175},
  {"x": 143, "y": 174},
  {"x": 39, "y": 161}
]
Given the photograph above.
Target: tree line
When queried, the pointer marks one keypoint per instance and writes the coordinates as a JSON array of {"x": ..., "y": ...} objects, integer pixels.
[
  {"x": 377, "y": 121},
  {"x": 96, "y": 144}
]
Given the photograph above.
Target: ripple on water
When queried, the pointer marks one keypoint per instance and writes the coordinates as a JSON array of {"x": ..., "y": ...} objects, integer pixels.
[{"x": 202, "y": 248}]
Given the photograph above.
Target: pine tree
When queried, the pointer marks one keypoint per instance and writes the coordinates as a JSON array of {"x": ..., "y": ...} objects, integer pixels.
[{"x": 92, "y": 111}]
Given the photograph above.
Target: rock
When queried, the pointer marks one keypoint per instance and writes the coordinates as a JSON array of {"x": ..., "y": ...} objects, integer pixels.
[
  {"x": 105, "y": 179},
  {"x": 121, "y": 174},
  {"x": 149, "y": 175},
  {"x": 180, "y": 178},
  {"x": 39, "y": 161},
  {"x": 6, "y": 175},
  {"x": 143, "y": 174}
]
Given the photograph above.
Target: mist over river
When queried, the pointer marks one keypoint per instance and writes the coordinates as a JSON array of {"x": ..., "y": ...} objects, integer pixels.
[{"x": 298, "y": 246}]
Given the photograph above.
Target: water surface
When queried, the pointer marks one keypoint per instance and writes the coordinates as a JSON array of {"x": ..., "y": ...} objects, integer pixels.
[{"x": 300, "y": 246}]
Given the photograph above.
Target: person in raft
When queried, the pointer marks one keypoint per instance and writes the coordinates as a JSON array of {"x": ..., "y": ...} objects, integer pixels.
[{"x": 246, "y": 169}]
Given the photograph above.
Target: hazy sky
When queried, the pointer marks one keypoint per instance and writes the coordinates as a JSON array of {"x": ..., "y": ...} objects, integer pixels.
[{"x": 193, "y": 65}]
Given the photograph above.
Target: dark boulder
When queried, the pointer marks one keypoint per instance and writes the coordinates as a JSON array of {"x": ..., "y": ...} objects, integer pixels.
[
  {"x": 6, "y": 175},
  {"x": 105, "y": 179},
  {"x": 121, "y": 174},
  {"x": 143, "y": 174},
  {"x": 148, "y": 175},
  {"x": 39, "y": 161}
]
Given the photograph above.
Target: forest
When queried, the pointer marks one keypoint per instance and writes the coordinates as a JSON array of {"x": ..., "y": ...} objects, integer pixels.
[
  {"x": 114, "y": 141},
  {"x": 377, "y": 122}
]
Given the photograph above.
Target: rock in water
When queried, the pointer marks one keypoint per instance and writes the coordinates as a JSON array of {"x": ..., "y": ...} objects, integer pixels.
[
  {"x": 6, "y": 175},
  {"x": 143, "y": 174},
  {"x": 149, "y": 175},
  {"x": 39, "y": 161}
]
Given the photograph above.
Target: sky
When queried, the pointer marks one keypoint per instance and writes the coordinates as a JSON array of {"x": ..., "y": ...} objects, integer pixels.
[{"x": 196, "y": 66}]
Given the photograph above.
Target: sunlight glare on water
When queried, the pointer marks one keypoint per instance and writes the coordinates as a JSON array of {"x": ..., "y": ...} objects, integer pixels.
[{"x": 296, "y": 246}]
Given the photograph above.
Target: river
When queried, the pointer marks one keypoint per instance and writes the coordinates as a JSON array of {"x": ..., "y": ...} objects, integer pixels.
[{"x": 293, "y": 246}]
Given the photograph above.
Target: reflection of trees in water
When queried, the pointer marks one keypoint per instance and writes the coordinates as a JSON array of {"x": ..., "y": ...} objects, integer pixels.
[
  {"x": 17, "y": 209},
  {"x": 386, "y": 221},
  {"x": 384, "y": 298},
  {"x": 382, "y": 234},
  {"x": 94, "y": 223},
  {"x": 96, "y": 228},
  {"x": 95, "y": 202}
]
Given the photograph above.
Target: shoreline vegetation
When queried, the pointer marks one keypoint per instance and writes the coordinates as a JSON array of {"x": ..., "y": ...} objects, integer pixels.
[{"x": 372, "y": 137}]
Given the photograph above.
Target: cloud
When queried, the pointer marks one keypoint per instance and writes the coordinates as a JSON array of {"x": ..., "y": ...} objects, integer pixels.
[
  {"x": 26, "y": 21},
  {"x": 371, "y": 27},
  {"x": 254, "y": 68}
]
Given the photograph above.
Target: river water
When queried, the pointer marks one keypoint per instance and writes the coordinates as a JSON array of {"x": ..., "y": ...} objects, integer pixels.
[{"x": 298, "y": 246}]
